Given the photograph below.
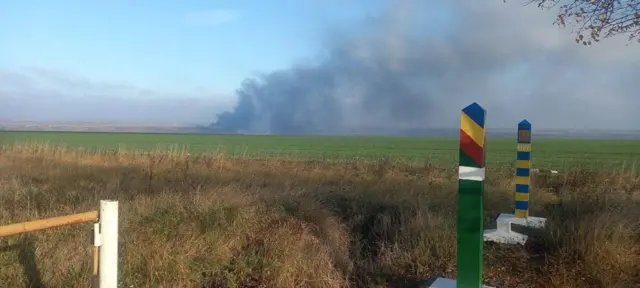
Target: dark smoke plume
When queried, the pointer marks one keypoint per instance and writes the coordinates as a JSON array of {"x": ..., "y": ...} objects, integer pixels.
[
  {"x": 399, "y": 76},
  {"x": 363, "y": 83}
]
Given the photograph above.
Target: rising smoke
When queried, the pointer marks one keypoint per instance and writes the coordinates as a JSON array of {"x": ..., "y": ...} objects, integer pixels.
[{"x": 398, "y": 76}]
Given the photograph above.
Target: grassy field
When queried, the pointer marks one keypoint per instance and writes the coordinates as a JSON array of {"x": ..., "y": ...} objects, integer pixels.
[
  {"x": 191, "y": 219},
  {"x": 216, "y": 221},
  {"x": 555, "y": 154}
]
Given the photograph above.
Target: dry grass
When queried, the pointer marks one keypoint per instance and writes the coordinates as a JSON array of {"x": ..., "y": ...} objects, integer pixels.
[{"x": 215, "y": 221}]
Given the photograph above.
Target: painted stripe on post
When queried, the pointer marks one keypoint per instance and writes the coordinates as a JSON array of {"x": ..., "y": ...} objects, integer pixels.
[
  {"x": 523, "y": 163},
  {"x": 471, "y": 196},
  {"x": 524, "y": 155},
  {"x": 524, "y": 147},
  {"x": 523, "y": 170},
  {"x": 522, "y": 205},
  {"x": 465, "y": 160},
  {"x": 522, "y": 188},
  {"x": 472, "y": 129},
  {"x": 521, "y": 213},
  {"x": 471, "y": 149},
  {"x": 522, "y": 180},
  {"x": 522, "y": 196},
  {"x": 471, "y": 173}
]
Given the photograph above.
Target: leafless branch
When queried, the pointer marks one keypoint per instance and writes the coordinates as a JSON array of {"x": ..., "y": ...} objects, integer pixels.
[{"x": 599, "y": 19}]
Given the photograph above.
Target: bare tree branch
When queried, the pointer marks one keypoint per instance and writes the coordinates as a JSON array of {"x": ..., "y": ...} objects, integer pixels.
[{"x": 596, "y": 19}]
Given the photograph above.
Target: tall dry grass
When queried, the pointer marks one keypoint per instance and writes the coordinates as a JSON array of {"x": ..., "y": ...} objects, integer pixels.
[{"x": 216, "y": 221}]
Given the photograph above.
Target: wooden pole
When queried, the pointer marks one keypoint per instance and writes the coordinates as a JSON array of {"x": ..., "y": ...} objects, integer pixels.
[
  {"x": 95, "y": 280},
  {"x": 24, "y": 227},
  {"x": 471, "y": 196}
]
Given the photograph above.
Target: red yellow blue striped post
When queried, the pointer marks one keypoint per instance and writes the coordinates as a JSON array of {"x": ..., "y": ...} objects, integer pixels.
[
  {"x": 523, "y": 170},
  {"x": 471, "y": 196}
]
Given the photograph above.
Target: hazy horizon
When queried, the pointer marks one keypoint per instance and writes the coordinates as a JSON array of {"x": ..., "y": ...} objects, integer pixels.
[{"x": 309, "y": 66}]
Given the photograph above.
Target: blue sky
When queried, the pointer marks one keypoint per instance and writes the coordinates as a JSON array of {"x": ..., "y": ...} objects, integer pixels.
[
  {"x": 169, "y": 45},
  {"x": 175, "y": 45},
  {"x": 182, "y": 61}
]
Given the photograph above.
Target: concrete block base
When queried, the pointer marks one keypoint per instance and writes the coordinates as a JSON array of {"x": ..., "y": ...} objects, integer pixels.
[{"x": 503, "y": 233}]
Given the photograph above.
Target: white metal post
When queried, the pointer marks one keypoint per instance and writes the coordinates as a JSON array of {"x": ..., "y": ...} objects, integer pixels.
[{"x": 109, "y": 244}]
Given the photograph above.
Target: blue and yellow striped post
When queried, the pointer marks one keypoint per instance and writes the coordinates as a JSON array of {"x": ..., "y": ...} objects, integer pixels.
[
  {"x": 471, "y": 196},
  {"x": 523, "y": 170}
]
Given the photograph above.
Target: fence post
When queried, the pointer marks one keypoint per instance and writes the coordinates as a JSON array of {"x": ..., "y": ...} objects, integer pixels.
[
  {"x": 108, "y": 260},
  {"x": 96, "y": 255}
]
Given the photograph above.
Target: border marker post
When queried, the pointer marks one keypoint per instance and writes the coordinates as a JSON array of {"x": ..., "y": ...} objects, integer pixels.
[
  {"x": 523, "y": 170},
  {"x": 471, "y": 196},
  {"x": 503, "y": 233},
  {"x": 471, "y": 174}
]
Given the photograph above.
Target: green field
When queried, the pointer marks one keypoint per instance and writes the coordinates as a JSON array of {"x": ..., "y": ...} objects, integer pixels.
[{"x": 547, "y": 153}]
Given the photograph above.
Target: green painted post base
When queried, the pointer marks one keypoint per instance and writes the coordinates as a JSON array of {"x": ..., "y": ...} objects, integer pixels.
[{"x": 470, "y": 233}]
